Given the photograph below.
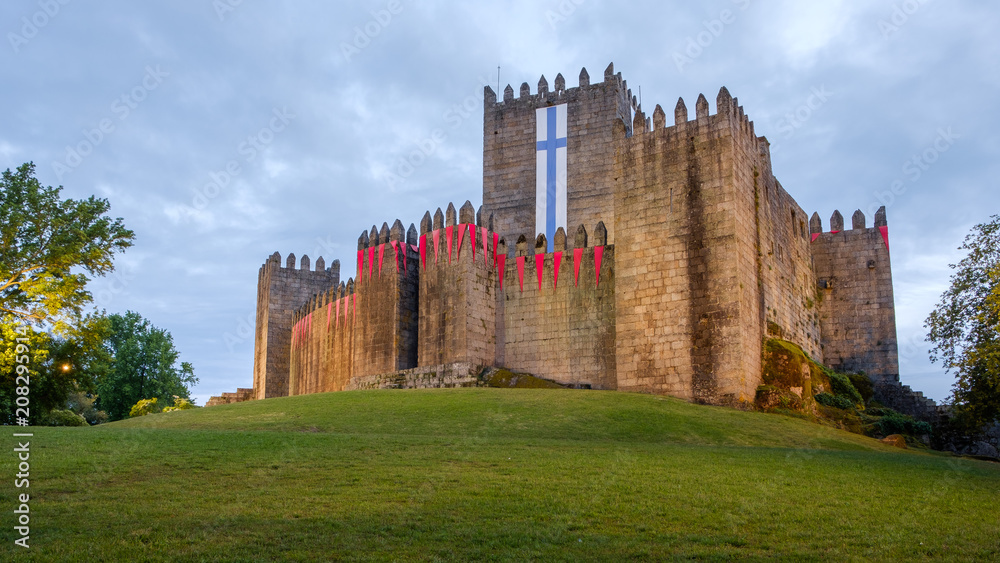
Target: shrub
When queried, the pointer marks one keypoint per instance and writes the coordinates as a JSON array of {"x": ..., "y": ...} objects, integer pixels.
[
  {"x": 842, "y": 387},
  {"x": 143, "y": 407},
  {"x": 180, "y": 404},
  {"x": 901, "y": 424},
  {"x": 834, "y": 400},
  {"x": 863, "y": 384},
  {"x": 770, "y": 397},
  {"x": 58, "y": 417}
]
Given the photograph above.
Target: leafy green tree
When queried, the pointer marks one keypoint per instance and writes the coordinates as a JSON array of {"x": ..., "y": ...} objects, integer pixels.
[
  {"x": 55, "y": 367},
  {"x": 965, "y": 328},
  {"x": 143, "y": 366},
  {"x": 48, "y": 246}
]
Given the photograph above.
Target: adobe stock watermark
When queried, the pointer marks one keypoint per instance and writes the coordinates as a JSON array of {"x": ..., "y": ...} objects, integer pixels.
[
  {"x": 33, "y": 24},
  {"x": 900, "y": 16},
  {"x": 22, "y": 390},
  {"x": 117, "y": 283},
  {"x": 914, "y": 168},
  {"x": 121, "y": 108},
  {"x": 225, "y": 7},
  {"x": 455, "y": 116},
  {"x": 714, "y": 28},
  {"x": 364, "y": 34},
  {"x": 245, "y": 330},
  {"x": 562, "y": 13},
  {"x": 794, "y": 120},
  {"x": 248, "y": 149}
]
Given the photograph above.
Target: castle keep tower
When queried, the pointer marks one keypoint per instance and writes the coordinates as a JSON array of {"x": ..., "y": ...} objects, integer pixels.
[{"x": 612, "y": 251}]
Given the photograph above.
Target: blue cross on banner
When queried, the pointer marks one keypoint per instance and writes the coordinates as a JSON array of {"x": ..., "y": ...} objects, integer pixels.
[{"x": 550, "y": 179}]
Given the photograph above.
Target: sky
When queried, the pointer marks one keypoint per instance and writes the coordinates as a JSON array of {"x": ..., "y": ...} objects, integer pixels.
[{"x": 222, "y": 131}]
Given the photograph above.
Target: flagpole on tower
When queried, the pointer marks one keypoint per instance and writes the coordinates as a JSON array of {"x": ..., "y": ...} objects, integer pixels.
[{"x": 498, "y": 78}]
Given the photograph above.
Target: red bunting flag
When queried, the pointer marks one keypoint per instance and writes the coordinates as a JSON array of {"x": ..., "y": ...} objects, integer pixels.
[
  {"x": 496, "y": 241},
  {"x": 885, "y": 236},
  {"x": 461, "y": 235},
  {"x": 472, "y": 240},
  {"x": 423, "y": 250},
  {"x": 381, "y": 252},
  {"x": 395, "y": 248},
  {"x": 329, "y": 315},
  {"x": 834, "y": 232},
  {"x": 371, "y": 262},
  {"x": 520, "y": 271},
  {"x": 598, "y": 254},
  {"x": 577, "y": 257},
  {"x": 449, "y": 233},
  {"x": 539, "y": 266},
  {"x": 556, "y": 259},
  {"x": 814, "y": 237},
  {"x": 501, "y": 263},
  {"x": 361, "y": 263},
  {"x": 482, "y": 237}
]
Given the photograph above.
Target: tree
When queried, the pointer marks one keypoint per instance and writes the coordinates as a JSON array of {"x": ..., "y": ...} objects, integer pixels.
[
  {"x": 143, "y": 366},
  {"x": 55, "y": 367},
  {"x": 965, "y": 329},
  {"x": 48, "y": 246}
]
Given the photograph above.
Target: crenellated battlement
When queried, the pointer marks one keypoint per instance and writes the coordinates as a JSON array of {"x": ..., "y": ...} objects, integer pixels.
[{"x": 544, "y": 95}]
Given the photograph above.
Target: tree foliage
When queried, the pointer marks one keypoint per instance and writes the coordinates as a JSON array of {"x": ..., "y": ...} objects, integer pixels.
[
  {"x": 143, "y": 366},
  {"x": 48, "y": 246},
  {"x": 965, "y": 328}
]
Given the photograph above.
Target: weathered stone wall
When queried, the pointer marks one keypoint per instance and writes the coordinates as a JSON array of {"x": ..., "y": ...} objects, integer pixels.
[
  {"x": 509, "y": 151},
  {"x": 684, "y": 313},
  {"x": 857, "y": 310},
  {"x": 457, "y": 319},
  {"x": 562, "y": 330},
  {"x": 430, "y": 377},
  {"x": 363, "y": 328},
  {"x": 280, "y": 292}
]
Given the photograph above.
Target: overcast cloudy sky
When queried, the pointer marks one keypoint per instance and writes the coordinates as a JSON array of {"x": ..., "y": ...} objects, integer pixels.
[{"x": 301, "y": 112}]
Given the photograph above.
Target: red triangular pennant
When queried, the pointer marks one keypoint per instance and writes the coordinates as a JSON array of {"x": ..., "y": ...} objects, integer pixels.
[
  {"x": 449, "y": 232},
  {"x": 461, "y": 235},
  {"x": 539, "y": 266},
  {"x": 472, "y": 240},
  {"x": 556, "y": 259},
  {"x": 520, "y": 271},
  {"x": 395, "y": 248},
  {"x": 598, "y": 254},
  {"x": 371, "y": 262},
  {"x": 501, "y": 262},
  {"x": 885, "y": 236},
  {"x": 482, "y": 237},
  {"x": 361, "y": 263},
  {"x": 423, "y": 250},
  {"x": 496, "y": 241},
  {"x": 381, "y": 252},
  {"x": 814, "y": 237},
  {"x": 577, "y": 257}
]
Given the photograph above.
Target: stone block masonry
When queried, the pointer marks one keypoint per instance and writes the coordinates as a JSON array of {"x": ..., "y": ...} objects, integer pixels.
[{"x": 684, "y": 253}]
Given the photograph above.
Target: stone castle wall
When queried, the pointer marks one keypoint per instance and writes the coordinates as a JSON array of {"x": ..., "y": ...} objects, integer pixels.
[
  {"x": 561, "y": 325},
  {"x": 703, "y": 255},
  {"x": 280, "y": 292}
]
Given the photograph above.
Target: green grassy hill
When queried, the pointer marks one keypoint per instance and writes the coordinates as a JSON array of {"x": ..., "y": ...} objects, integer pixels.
[{"x": 493, "y": 474}]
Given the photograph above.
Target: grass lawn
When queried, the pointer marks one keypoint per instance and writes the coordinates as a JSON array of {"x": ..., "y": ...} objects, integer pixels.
[{"x": 492, "y": 474}]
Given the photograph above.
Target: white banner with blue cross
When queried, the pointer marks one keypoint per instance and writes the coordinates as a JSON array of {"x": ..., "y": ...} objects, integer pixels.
[{"x": 550, "y": 179}]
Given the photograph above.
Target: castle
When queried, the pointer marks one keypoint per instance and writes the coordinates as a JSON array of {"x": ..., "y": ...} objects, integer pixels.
[{"x": 612, "y": 251}]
